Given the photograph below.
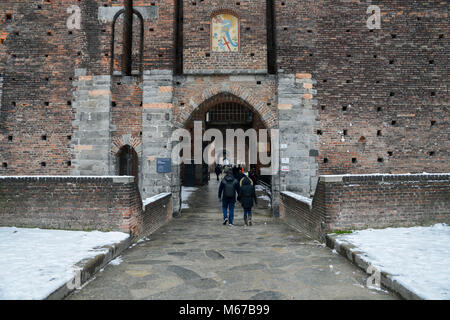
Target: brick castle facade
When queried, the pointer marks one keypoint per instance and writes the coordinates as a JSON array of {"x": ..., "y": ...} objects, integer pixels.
[{"x": 346, "y": 98}]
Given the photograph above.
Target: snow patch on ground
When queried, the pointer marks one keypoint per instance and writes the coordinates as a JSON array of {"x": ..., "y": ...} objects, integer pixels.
[
  {"x": 186, "y": 193},
  {"x": 116, "y": 261},
  {"x": 264, "y": 197},
  {"x": 417, "y": 257},
  {"x": 36, "y": 262}
]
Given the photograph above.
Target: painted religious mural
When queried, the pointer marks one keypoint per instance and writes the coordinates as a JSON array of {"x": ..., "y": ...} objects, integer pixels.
[{"x": 225, "y": 33}]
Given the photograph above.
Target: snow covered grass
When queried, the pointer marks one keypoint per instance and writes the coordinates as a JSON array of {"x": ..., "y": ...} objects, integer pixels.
[
  {"x": 417, "y": 257},
  {"x": 36, "y": 262},
  {"x": 186, "y": 193}
]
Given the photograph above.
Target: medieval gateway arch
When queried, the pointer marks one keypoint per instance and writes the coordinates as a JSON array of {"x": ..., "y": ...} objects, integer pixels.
[{"x": 102, "y": 92}]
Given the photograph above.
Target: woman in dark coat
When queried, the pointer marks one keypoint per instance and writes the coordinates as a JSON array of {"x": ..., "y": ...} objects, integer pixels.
[{"x": 247, "y": 195}]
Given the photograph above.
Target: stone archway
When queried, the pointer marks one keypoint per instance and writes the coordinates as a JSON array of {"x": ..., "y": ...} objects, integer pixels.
[
  {"x": 235, "y": 92},
  {"x": 231, "y": 93}
]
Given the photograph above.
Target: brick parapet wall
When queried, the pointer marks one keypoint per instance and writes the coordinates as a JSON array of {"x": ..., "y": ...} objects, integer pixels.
[
  {"x": 347, "y": 202},
  {"x": 156, "y": 214},
  {"x": 80, "y": 203}
]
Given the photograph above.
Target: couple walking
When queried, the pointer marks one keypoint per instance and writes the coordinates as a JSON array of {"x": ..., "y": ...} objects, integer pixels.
[{"x": 244, "y": 189}]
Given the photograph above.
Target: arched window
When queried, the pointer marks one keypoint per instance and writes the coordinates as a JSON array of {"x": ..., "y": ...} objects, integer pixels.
[
  {"x": 225, "y": 34},
  {"x": 128, "y": 162},
  {"x": 135, "y": 61}
]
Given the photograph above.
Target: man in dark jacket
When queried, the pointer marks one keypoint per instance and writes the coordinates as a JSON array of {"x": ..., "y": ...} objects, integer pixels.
[
  {"x": 218, "y": 170},
  {"x": 247, "y": 195},
  {"x": 228, "y": 189}
]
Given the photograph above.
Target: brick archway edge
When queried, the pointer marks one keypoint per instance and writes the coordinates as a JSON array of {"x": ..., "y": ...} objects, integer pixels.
[{"x": 267, "y": 114}]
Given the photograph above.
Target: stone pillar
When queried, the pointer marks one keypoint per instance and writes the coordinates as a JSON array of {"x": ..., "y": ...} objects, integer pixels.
[
  {"x": 157, "y": 128},
  {"x": 298, "y": 141},
  {"x": 91, "y": 127}
]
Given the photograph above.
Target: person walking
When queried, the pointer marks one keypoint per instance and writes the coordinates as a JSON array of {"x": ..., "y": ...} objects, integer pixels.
[
  {"x": 246, "y": 196},
  {"x": 228, "y": 189},
  {"x": 218, "y": 171}
]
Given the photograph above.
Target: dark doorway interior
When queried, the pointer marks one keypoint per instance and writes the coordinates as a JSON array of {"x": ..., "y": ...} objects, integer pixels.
[
  {"x": 222, "y": 112},
  {"x": 128, "y": 162}
]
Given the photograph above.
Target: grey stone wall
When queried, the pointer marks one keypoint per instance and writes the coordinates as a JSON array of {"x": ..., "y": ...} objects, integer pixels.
[
  {"x": 91, "y": 136},
  {"x": 298, "y": 142},
  {"x": 157, "y": 128}
]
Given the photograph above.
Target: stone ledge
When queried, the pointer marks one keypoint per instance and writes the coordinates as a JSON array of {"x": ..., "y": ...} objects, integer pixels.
[
  {"x": 356, "y": 257},
  {"x": 90, "y": 267}
]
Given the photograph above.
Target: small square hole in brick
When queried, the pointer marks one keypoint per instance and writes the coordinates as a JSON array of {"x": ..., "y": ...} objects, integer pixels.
[
  {"x": 69, "y": 138},
  {"x": 44, "y": 138},
  {"x": 394, "y": 122},
  {"x": 345, "y": 132},
  {"x": 5, "y": 165},
  {"x": 69, "y": 163},
  {"x": 10, "y": 138},
  {"x": 380, "y": 160},
  {"x": 354, "y": 160},
  {"x": 43, "y": 164},
  {"x": 433, "y": 122},
  {"x": 379, "y": 109},
  {"x": 431, "y": 153},
  {"x": 390, "y": 153},
  {"x": 325, "y": 160},
  {"x": 379, "y": 133},
  {"x": 319, "y": 132}
]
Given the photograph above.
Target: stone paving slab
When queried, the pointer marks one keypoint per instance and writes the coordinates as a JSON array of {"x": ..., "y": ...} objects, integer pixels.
[{"x": 196, "y": 257}]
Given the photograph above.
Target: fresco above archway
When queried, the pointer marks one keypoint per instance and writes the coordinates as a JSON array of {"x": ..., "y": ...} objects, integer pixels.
[{"x": 225, "y": 33}]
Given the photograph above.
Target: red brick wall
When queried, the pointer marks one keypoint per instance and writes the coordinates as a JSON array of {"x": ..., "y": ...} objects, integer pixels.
[
  {"x": 371, "y": 201},
  {"x": 78, "y": 203},
  {"x": 156, "y": 214},
  {"x": 360, "y": 70},
  {"x": 38, "y": 69},
  {"x": 126, "y": 109},
  {"x": 253, "y": 35},
  {"x": 200, "y": 89}
]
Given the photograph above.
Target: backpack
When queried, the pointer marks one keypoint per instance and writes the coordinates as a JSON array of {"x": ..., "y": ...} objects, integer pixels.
[{"x": 229, "y": 189}]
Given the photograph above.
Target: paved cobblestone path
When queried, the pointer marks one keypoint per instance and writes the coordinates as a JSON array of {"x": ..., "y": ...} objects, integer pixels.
[{"x": 196, "y": 257}]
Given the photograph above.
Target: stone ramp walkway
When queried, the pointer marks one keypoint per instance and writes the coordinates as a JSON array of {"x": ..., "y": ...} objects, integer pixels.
[{"x": 196, "y": 257}]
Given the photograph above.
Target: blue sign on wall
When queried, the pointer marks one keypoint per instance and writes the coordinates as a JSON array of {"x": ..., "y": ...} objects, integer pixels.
[{"x": 163, "y": 165}]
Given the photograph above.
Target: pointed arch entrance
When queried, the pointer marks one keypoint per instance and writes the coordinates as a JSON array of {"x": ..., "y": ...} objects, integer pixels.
[{"x": 223, "y": 111}]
